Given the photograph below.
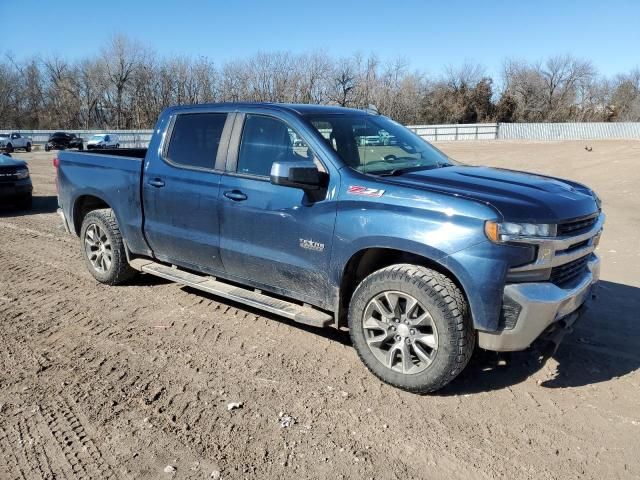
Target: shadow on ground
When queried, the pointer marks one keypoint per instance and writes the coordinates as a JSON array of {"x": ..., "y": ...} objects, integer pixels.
[
  {"x": 41, "y": 204},
  {"x": 603, "y": 346}
]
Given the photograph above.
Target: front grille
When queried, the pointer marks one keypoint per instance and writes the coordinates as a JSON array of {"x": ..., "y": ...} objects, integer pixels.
[
  {"x": 575, "y": 246},
  {"x": 577, "y": 226},
  {"x": 563, "y": 274},
  {"x": 8, "y": 174}
]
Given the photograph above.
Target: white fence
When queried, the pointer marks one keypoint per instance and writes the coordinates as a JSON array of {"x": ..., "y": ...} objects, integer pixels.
[
  {"x": 126, "y": 138},
  {"x": 463, "y": 131},
  {"x": 569, "y": 131},
  {"x": 432, "y": 133}
]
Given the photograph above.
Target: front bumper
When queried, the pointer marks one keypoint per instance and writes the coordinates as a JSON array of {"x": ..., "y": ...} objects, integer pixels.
[
  {"x": 19, "y": 188},
  {"x": 543, "y": 304}
]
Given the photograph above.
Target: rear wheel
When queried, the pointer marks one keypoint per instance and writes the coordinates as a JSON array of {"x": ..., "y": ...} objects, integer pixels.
[
  {"x": 103, "y": 248},
  {"x": 47, "y": 148},
  {"x": 411, "y": 328},
  {"x": 28, "y": 149},
  {"x": 9, "y": 148}
]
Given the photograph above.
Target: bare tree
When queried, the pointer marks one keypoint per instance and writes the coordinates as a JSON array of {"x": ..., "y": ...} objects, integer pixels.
[
  {"x": 343, "y": 83},
  {"x": 120, "y": 58},
  {"x": 626, "y": 96},
  {"x": 128, "y": 85}
]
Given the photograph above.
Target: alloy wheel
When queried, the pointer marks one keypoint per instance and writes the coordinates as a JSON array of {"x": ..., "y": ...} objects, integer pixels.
[
  {"x": 98, "y": 248},
  {"x": 400, "y": 332}
]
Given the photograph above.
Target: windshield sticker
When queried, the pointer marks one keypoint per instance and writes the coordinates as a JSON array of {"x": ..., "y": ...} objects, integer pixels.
[{"x": 367, "y": 192}]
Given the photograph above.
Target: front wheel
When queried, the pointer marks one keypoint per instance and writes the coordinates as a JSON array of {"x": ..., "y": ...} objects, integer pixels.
[
  {"x": 9, "y": 148},
  {"x": 410, "y": 326},
  {"x": 103, "y": 247}
]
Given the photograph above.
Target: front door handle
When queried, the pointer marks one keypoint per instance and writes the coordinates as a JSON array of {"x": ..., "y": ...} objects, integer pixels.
[
  {"x": 235, "y": 195},
  {"x": 156, "y": 182}
]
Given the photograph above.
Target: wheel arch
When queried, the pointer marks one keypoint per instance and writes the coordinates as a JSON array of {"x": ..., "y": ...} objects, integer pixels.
[
  {"x": 82, "y": 206},
  {"x": 367, "y": 260}
]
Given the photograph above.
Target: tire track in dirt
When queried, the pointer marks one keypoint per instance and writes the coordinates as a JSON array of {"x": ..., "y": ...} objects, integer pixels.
[{"x": 158, "y": 352}]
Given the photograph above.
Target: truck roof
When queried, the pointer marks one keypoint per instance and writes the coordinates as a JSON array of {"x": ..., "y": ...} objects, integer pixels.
[{"x": 299, "y": 108}]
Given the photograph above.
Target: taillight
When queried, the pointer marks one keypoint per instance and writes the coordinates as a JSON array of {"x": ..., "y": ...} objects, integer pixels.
[{"x": 56, "y": 162}]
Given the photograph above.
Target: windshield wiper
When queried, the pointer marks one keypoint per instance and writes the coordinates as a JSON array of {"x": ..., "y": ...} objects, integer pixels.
[{"x": 401, "y": 171}]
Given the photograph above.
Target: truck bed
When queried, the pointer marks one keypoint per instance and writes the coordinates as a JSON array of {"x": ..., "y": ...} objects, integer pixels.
[
  {"x": 111, "y": 175},
  {"x": 120, "y": 152}
]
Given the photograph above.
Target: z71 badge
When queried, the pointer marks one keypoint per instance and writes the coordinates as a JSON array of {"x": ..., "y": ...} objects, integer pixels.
[{"x": 365, "y": 191}]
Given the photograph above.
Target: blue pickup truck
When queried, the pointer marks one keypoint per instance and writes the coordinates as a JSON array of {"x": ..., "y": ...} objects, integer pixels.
[{"x": 288, "y": 209}]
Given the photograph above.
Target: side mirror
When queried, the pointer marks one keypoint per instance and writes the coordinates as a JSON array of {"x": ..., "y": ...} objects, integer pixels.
[{"x": 304, "y": 175}]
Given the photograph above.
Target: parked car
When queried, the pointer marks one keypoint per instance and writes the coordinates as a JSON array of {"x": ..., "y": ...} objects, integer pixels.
[
  {"x": 63, "y": 140},
  {"x": 13, "y": 141},
  {"x": 422, "y": 258},
  {"x": 103, "y": 141},
  {"x": 15, "y": 182}
]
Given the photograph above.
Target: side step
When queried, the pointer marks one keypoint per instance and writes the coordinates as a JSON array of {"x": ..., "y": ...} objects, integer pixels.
[{"x": 292, "y": 311}]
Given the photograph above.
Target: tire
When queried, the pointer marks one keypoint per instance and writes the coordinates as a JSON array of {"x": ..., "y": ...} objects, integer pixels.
[
  {"x": 81, "y": 147},
  {"x": 9, "y": 148},
  {"x": 25, "y": 202},
  {"x": 99, "y": 236},
  {"x": 436, "y": 337},
  {"x": 117, "y": 145},
  {"x": 28, "y": 149},
  {"x": 47, "y": 148}
]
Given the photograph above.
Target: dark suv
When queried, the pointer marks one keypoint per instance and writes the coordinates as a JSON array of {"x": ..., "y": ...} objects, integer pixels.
[
  {"x": 15, "y": 182},
  {"x": 63, "y": 140}
]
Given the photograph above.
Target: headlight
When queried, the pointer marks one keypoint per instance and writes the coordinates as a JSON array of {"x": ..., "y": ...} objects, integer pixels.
[
  {"x": 505, "y": 231},
  {"x": 22, "y": 173}
]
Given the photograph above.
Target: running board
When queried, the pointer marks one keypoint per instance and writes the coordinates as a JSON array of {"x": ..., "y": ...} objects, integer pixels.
[{"x": 292, "y": 311}]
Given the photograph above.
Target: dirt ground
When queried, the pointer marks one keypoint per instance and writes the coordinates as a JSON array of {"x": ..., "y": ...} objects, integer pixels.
[{"x": 122, "y": 382}]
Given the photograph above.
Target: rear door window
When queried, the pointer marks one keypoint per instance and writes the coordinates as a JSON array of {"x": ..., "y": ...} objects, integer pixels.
[{"x": 195, "y": 139}]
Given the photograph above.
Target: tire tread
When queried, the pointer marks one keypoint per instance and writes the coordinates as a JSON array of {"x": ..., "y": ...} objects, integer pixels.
[
  {"x": 122, "y": 271},
  {"x": 447, "y": 297}
]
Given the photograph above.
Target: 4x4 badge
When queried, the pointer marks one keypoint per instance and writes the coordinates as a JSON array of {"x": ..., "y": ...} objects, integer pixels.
[{"x": 311, "y": 245}]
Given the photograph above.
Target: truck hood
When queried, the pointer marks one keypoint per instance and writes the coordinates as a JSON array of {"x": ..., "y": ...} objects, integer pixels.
[
  {"x": 518, "y": 196},
  {"x": 7, "y": 161}
]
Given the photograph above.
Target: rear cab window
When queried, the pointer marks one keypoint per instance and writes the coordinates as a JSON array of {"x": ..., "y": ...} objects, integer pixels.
[{"x": 195, "y": 138}]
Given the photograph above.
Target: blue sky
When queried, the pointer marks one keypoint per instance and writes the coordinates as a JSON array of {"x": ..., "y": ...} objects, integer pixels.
[{"x": 428, "y": 34}]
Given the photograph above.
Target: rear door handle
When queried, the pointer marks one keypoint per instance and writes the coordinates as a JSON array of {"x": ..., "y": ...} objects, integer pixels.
[
  {"x": 156, "y": 182},
  {"x": 235, "y": 195}
]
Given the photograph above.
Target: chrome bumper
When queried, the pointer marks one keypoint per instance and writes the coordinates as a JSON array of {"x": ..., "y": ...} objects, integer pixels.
[{"x": 543, "y": 304}]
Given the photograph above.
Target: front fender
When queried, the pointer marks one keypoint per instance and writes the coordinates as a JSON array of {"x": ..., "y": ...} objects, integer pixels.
[{"x": 444, "y": 229}]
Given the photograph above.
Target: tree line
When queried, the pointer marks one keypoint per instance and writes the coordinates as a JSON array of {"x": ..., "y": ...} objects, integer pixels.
[{"x": 126, "y": 85}]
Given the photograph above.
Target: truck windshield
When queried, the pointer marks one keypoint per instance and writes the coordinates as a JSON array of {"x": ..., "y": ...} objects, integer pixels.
[
  {"x": 377, "y": 145},
  {"x": 98, "y": 137}
]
